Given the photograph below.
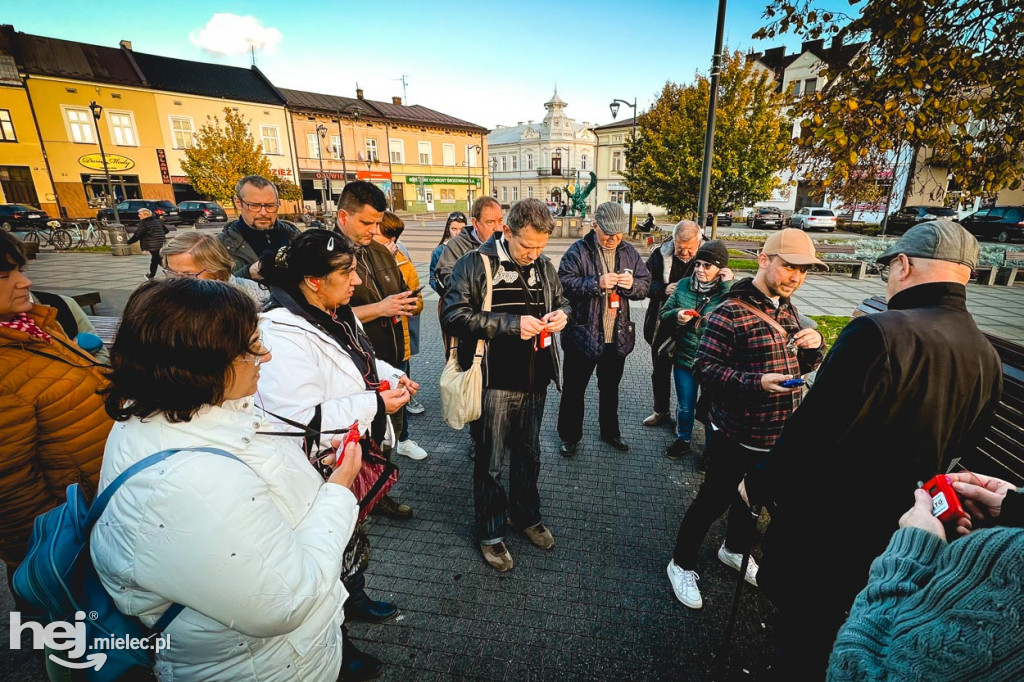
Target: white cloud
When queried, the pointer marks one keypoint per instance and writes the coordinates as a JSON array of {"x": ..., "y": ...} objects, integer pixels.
[{"x": 232, "y": 34}]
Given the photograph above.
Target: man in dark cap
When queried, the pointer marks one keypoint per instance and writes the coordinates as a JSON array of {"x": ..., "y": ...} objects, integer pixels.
[
  {"x": 600, "y": 273},
  {"x": 901, "y": 395}
]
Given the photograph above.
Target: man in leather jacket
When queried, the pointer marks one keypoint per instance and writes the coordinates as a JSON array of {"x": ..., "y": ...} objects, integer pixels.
[{"x": 520, "y": 361}]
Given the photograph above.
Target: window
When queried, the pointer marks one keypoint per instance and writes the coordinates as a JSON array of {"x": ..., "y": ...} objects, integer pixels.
[
  {"x": 810, "y": 86},
  {"x": 616, "y": 138},
  {"x": 616, "y": 161},
  {"x": 269, "y": 139},
  {"x": 6, "y": 127},
  {"x": 515, "y": 162},
  {"x": 583, "y": 162},
  {"x": 182, "y": 133},
  {"x": 79, "y": 125},
  {"x": 424, "y": 153},
  {"x": 504, "y": 193},
  {"x": 448, "y": 154},
  {"x": 397, "y": 148},
  {"x": 335, "y": 146},
  {"x": 515, "y": 193},
  {"x": 529, "y": 191},
  {"x": 504, "y": 163},
  {"x": 529, "y": 162},
  {"x": 371, "y": 150},
  {"x": 313, "y": 144},
  {"x": 796, "y": 88},
  {"x": 122, "y": 128}
]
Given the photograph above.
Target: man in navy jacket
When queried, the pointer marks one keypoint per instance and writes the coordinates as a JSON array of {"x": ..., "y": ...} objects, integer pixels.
[{"x": 600, "y": 274}]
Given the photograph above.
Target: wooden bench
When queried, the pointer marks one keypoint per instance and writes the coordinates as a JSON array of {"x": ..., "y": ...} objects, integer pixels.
[
  {"x": 986, "y": 274},
  {"x": 1001, "y": 452},
  {"x": 88, "y": 299},
  {"x": 860, "y": 267},
  {"x": 106, "y": 327}
]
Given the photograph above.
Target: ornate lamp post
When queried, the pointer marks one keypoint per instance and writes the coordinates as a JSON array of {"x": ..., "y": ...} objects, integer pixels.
[
  {"x": 321, "y": 137},
  {"x": 96, "y": 111},
  {"x": 469, "y": 180},
  {"x": 614, "y": 107},
  {"x": 356, "y": 113}
]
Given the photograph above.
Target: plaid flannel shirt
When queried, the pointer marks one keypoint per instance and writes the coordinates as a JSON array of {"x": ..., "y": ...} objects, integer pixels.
[{"x": 736, "y": 349}]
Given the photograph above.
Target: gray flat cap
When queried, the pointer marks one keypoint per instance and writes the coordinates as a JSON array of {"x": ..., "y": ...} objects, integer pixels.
[
  {"x": 611, "y": 218},
  {"x": 937, "y": 240}
]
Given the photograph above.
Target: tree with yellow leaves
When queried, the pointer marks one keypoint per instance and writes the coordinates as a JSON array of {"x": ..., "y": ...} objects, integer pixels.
[{"x": 223, "y": 155}]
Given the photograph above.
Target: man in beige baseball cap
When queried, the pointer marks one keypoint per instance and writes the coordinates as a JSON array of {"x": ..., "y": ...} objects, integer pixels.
[{"x": 793, "y": 246}]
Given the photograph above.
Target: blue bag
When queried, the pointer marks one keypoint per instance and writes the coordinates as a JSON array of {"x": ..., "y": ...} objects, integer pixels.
[{"x": 58, "y": 580}]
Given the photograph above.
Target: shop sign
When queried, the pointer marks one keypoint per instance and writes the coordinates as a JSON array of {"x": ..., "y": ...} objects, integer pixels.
[
  {"x": 442, "y": 180},
  {"x": 115, "y": 162},
  {"x": 373, "y": 175},
  {"x": 180, "y": 180},
  {"x": 281, "y": 172},
  {"x": 161, "y": 160}
]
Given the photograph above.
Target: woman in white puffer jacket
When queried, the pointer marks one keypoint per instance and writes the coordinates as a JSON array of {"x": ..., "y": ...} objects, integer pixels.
[{"x": 252, "y": 548}]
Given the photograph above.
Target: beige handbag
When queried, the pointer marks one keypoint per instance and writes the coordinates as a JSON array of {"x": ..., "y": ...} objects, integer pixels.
[{"x": 462, "y": 391}]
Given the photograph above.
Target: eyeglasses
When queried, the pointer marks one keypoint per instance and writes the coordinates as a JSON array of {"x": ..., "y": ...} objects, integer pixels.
[
  {"x": 259, "y": 353},
  {"x": 884, "y": 270},
  {"x": 704, "y": 265},
  {"x": 174, "y": 274},
  {"x": 255, "y": 208}
]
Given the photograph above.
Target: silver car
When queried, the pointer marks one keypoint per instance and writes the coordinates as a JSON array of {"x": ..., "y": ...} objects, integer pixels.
[{"x": 814, "y": 218}]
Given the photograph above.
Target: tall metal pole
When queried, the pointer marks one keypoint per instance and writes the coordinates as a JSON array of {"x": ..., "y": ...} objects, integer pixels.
[
  {"x": 630, "y": 223},
  {"x": 709, "y": 136},
  {"x": 96, "y": 110},
  {"x": 341, "y": 145},
  {"x": 321, "y": 133}
]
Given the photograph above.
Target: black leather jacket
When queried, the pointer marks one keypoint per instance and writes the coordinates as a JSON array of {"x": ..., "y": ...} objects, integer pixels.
[{"x": 462, "y": 318}]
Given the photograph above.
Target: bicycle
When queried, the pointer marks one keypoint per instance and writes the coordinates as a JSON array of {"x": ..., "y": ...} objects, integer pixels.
[
  {"x": 91, "y": 233},
  {"x": 53, "y": 234}
]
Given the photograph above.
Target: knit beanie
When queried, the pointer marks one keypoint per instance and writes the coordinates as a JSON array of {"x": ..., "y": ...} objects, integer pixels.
[{"x": 713, "y": 252}]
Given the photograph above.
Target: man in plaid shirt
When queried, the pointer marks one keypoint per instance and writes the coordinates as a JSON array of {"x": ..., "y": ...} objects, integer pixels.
[{"x": 752, "y": 343}]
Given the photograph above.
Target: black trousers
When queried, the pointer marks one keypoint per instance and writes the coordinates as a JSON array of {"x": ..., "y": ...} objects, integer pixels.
[
  {"x": 661, "y": 379},
  {"x": 576, "y": 372},
  {"x": 728, "y": 463},
  {"x": 154, "y": 262}
]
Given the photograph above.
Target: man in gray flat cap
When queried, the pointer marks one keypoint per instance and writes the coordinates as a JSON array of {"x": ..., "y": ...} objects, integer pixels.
[
  {"x": 600, "y": 274},
  {"x": 901, "y": 394}
]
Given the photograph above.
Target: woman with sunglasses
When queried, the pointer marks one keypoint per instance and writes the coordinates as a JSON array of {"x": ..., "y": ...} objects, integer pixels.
[
  {"x": 326, "y": 376},
  {"x": 456, "y": 221},
  {"x": 251, "y": 544},
  {"x": 689, "y": 304}
]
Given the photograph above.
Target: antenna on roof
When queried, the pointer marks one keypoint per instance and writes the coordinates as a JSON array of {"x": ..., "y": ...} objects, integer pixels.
[
  {"x": 252, "y": 53},
  {"x": 405, "y": 95}
]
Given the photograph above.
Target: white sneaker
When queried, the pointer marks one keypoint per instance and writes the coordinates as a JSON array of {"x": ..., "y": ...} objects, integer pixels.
[
  {"x": 684, "y": 584},
  {"x": 735, "y": 560},
  {"x": 411, "y": 449}
]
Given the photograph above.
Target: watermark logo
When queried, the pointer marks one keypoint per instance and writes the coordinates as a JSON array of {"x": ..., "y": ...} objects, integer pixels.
[{"x": 72, "y": 638}]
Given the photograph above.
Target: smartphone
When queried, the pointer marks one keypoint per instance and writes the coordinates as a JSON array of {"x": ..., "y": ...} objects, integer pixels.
[
  {"x": 418, "y": 289},
  {"x": 792, "y": 383}
]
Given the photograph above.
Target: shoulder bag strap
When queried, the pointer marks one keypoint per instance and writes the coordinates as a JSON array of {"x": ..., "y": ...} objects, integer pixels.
[
  {"x": 480, "y": 345},
  {"x": 760, "y": 313}
]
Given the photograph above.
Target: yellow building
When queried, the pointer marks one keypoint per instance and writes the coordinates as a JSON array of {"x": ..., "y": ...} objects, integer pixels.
[{"x": 415, "y": 154}]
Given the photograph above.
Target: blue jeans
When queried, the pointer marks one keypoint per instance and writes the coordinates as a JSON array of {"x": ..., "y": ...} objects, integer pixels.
[
  {"x": 686, "y": 399},
  {"x": 509, "y": 432}
]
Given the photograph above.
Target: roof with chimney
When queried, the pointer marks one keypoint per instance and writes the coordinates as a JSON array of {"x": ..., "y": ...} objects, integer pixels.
[
  {"x": 835, "y": 56},
  {"x": 43, "y": 56},
  {"x": 395, "y": 111}
]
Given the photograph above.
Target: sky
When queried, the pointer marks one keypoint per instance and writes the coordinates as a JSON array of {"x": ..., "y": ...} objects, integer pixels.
[{"x": 489, "y": 63}]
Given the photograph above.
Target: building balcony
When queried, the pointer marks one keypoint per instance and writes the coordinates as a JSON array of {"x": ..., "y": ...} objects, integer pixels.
[{"x": 556, "y": 172}]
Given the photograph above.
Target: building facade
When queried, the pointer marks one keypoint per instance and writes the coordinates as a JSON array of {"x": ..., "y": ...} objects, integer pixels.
[
  {"x": 611, "y": 162},
  {"x": 541, "y": 160},
  {"x": 24, "y": 174}
]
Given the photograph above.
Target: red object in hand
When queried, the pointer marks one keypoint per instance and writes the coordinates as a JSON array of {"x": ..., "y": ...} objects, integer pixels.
[
  {"x": 385, "y": 385},
  {"x": 351, "y": 437},
  {"x": 691, "y": 312},
  {"x": 542, "y": 340},
  {"x": 613, "y": 300},
  {"x": 945, "y": 504}
]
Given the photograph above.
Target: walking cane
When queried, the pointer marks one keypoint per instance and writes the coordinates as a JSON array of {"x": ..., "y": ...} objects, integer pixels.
[{"x": 720, "y": 663}]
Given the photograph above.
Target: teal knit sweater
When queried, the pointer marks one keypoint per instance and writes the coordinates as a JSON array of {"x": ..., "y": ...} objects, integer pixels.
[{"x": 934, "y": 611}]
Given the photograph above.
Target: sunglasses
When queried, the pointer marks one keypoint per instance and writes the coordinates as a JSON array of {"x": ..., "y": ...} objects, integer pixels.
[{"x": 704, "y": 265}]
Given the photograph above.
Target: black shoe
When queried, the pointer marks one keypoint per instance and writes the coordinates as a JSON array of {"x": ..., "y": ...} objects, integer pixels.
[
  {"x": 391, "y": 509},
  {"x": 357, "y": 665},
  {"x": 679, "y": 449},
  {"x": 568, "y": 449},
  {"x": 617, "y": 443},
  {"x": 359, "y": 607}
]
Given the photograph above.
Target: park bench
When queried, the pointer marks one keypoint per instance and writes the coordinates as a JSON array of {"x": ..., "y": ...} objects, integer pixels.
[
  {"x": 106, "y": 327},
  {"x": 88, "y": 299},
  {"x": 987, "y": 273},
  {"x": 1001, "y": 452},
  {"x": 859, "y": 267}
]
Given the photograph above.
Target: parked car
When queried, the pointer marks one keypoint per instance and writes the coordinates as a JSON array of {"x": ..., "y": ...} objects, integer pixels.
[
  {"x": 814, "y": 218},
  {"x": 1001, "y": 223},
  {"x": 201, "y": 212},
  {"x": 905, "y": 218},
  {"x": 128, "y": 212},
  {"x": 765, "y": 216},
  {"x": 13, "y": 216},
  {"x": 724, "y": 218}
]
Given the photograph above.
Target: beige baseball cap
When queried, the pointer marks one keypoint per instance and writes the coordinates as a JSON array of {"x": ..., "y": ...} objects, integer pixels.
[{"x": 793, "y": 246}]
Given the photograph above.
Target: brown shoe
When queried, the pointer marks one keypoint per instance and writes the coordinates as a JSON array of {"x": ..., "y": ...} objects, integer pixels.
[
  {"x": 540, "y": 536},
  {"x": 497, "y": 556},
  {"x": 388, "y": 507}
]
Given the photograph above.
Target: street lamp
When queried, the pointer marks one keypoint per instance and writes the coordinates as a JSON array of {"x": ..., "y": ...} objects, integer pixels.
[
  {"x": 322, "y": 136},
  {"x": 494, "y": 169},
  {"x": 356, "y": 113},
  {"x": 614, "y": 106},
  {"x": 96, "y": 111},
  {"x": 469, "y": 180}
]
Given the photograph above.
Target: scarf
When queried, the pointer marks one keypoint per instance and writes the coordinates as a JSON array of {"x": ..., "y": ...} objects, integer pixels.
[
  {"x": 703, "y": 287},
  {"x": 23, "y": 323}
]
